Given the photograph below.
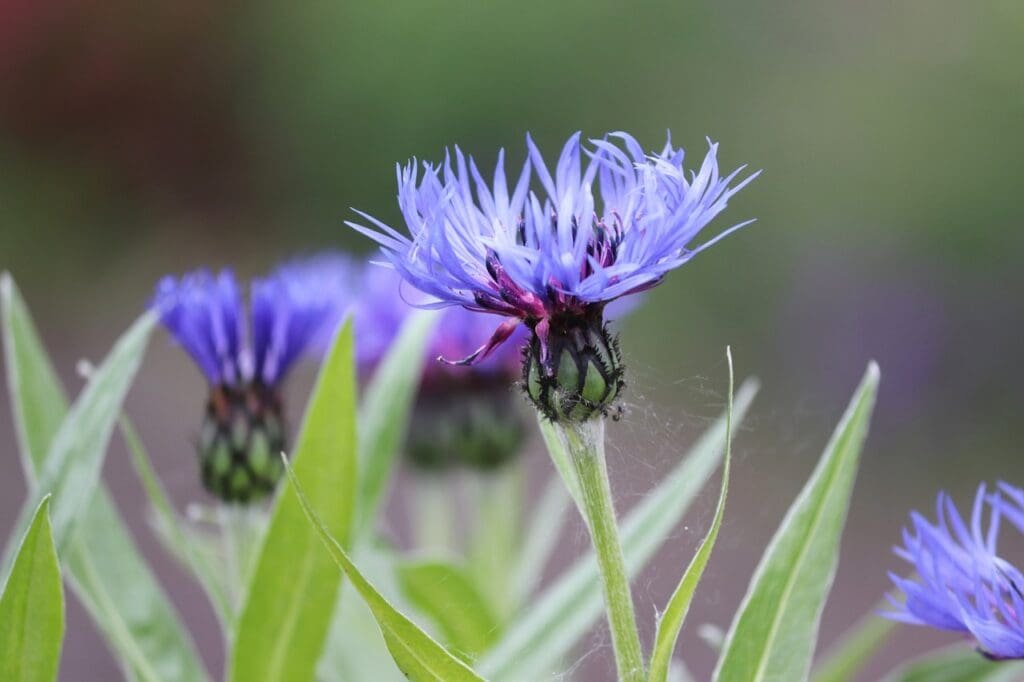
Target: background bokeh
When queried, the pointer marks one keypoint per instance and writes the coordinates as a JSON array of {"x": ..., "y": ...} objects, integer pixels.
[{"x": 142, "y": 138}]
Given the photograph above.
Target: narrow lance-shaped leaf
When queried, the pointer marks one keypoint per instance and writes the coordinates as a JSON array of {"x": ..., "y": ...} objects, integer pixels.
[
  {"x": 384, "y": 414},
  {"x": 71, "y": 471},
  {"x": 773, "y": 634},
  {"x": 32, "y": 608},
  {"x": 291, "y": 597},
  {"x": 37, "y": 399},
  {"x": 105, "y": 569},
  {"x": 444, "y": 592},
  {"x": 415, "y": 652},
  {"x": 355, "y": 647},
  {"x": 559, "y": 616},
  {"x": 679, "y": 604},
  {"x": 196, "y": 560},
  {"x": 541, "y": 538}
]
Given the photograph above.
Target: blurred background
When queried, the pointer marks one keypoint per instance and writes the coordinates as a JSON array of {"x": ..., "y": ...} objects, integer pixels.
[{"x": 138, "y": 139}]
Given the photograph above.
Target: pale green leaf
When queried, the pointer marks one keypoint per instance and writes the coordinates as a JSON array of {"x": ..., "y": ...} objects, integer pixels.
[
  {"x": 105, "y": 569},
  {"x": 541, "y": 538},
  {"x": 384, "y": 412},
  {"x": 355, "y": 647},
  {"x": 773, "y": 634},
  {"x": 843, "y": 660},
  {"x": 445, "y": 593},
  {"x": 37, "y": 399},
  {"x": 32, "y": 607},
  {"x": 495, "y": 537},
  {"x": 169, "y": 525},
  {"x": 560, "y": 615},
  {"x": 671, "y": 620},
  {"x": 415, "y": 652},
  {"x": 957, "y": 664},
  {"x": 72, "y": 468},
  {"x": 291, "y": 596}
]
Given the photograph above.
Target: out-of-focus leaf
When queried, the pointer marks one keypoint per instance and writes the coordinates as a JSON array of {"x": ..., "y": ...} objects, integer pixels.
[
  {"x": 384, "y": 413},
  {"x": 37, "y": 399},
  {"x": 541, "y": 538},
  {"x": 105, "y": 569},
  {"x": 169, "y": 525},
  {"x": 773, "y": 634},
  {"x": 558, "y": 617},
  {"x": 292, "y": 594},
  {"x": 417, "y": 655},
  {"x": 957, "y": 664},
  {"x": 32, "y": 608},
  {"x": 843, "y": 660},
  {"x": 71, "y": 471},
  {"x": 495, "y": 539},
  {"x": 443, "y": 592},
  {"x": 679, "y": 604}
]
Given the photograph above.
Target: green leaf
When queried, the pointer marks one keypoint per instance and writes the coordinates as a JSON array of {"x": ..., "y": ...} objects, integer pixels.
[
  {"x": 495, "y": 536},
  {"x": 384, "y": 413},
  {"x": 856, "y": 647},
  {"x": 773, "y": 634},
  {"x": 541, "y": 538},
  {"x": 679, "y": 604},
  {"x": 558, "y": 617},
  {"x": 355, "y": 647},
  {"x": 445, "y": 592},
  {"x": 417, "y": 655},
  {"x": 291, "y": 596},
  {"x": 71, "y": 471},
  {"x": 185, "y": 546},
  {"x": 37, "y": 400},
  {"x": 32, "y": 607},
  {"x": 104, "y": 567},
  {"x": 957, "y": 664}
]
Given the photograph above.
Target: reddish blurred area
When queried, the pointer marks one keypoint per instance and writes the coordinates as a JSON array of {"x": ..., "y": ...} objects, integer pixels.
[{"x": 135, "y": 87}]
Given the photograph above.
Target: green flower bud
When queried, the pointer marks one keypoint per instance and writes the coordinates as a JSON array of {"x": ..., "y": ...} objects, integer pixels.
[
  {"x": 239, "y": 443},
  {"x": 574, "y": 373}
]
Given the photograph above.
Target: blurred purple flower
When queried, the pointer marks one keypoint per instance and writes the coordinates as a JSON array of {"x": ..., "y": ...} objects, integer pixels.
[
  {"x": 292, "y": 311},
  {"x": 961, "y": 582},
  {"x": 384, "y": 305},
  {"x": 533, "y": 258}
]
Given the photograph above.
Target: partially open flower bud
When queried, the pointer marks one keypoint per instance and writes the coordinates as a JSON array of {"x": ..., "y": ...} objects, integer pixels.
[
  {"x": 238, "y": 447},
  {"x": 572, "y": 367}
]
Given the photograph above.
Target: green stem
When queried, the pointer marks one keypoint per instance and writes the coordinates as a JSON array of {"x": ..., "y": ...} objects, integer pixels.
[{"x": 585, "y": 443}]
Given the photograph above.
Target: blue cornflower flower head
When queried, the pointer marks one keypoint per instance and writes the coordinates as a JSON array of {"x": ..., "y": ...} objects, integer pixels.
[
  {"x": 610, "y": 221},
  {"x": 245, "y": 359},
  {"x": 961, "y": 582}
]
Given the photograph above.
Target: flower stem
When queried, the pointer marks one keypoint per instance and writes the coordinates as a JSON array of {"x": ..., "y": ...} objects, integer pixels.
[{"x": 585, "y": 443}]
